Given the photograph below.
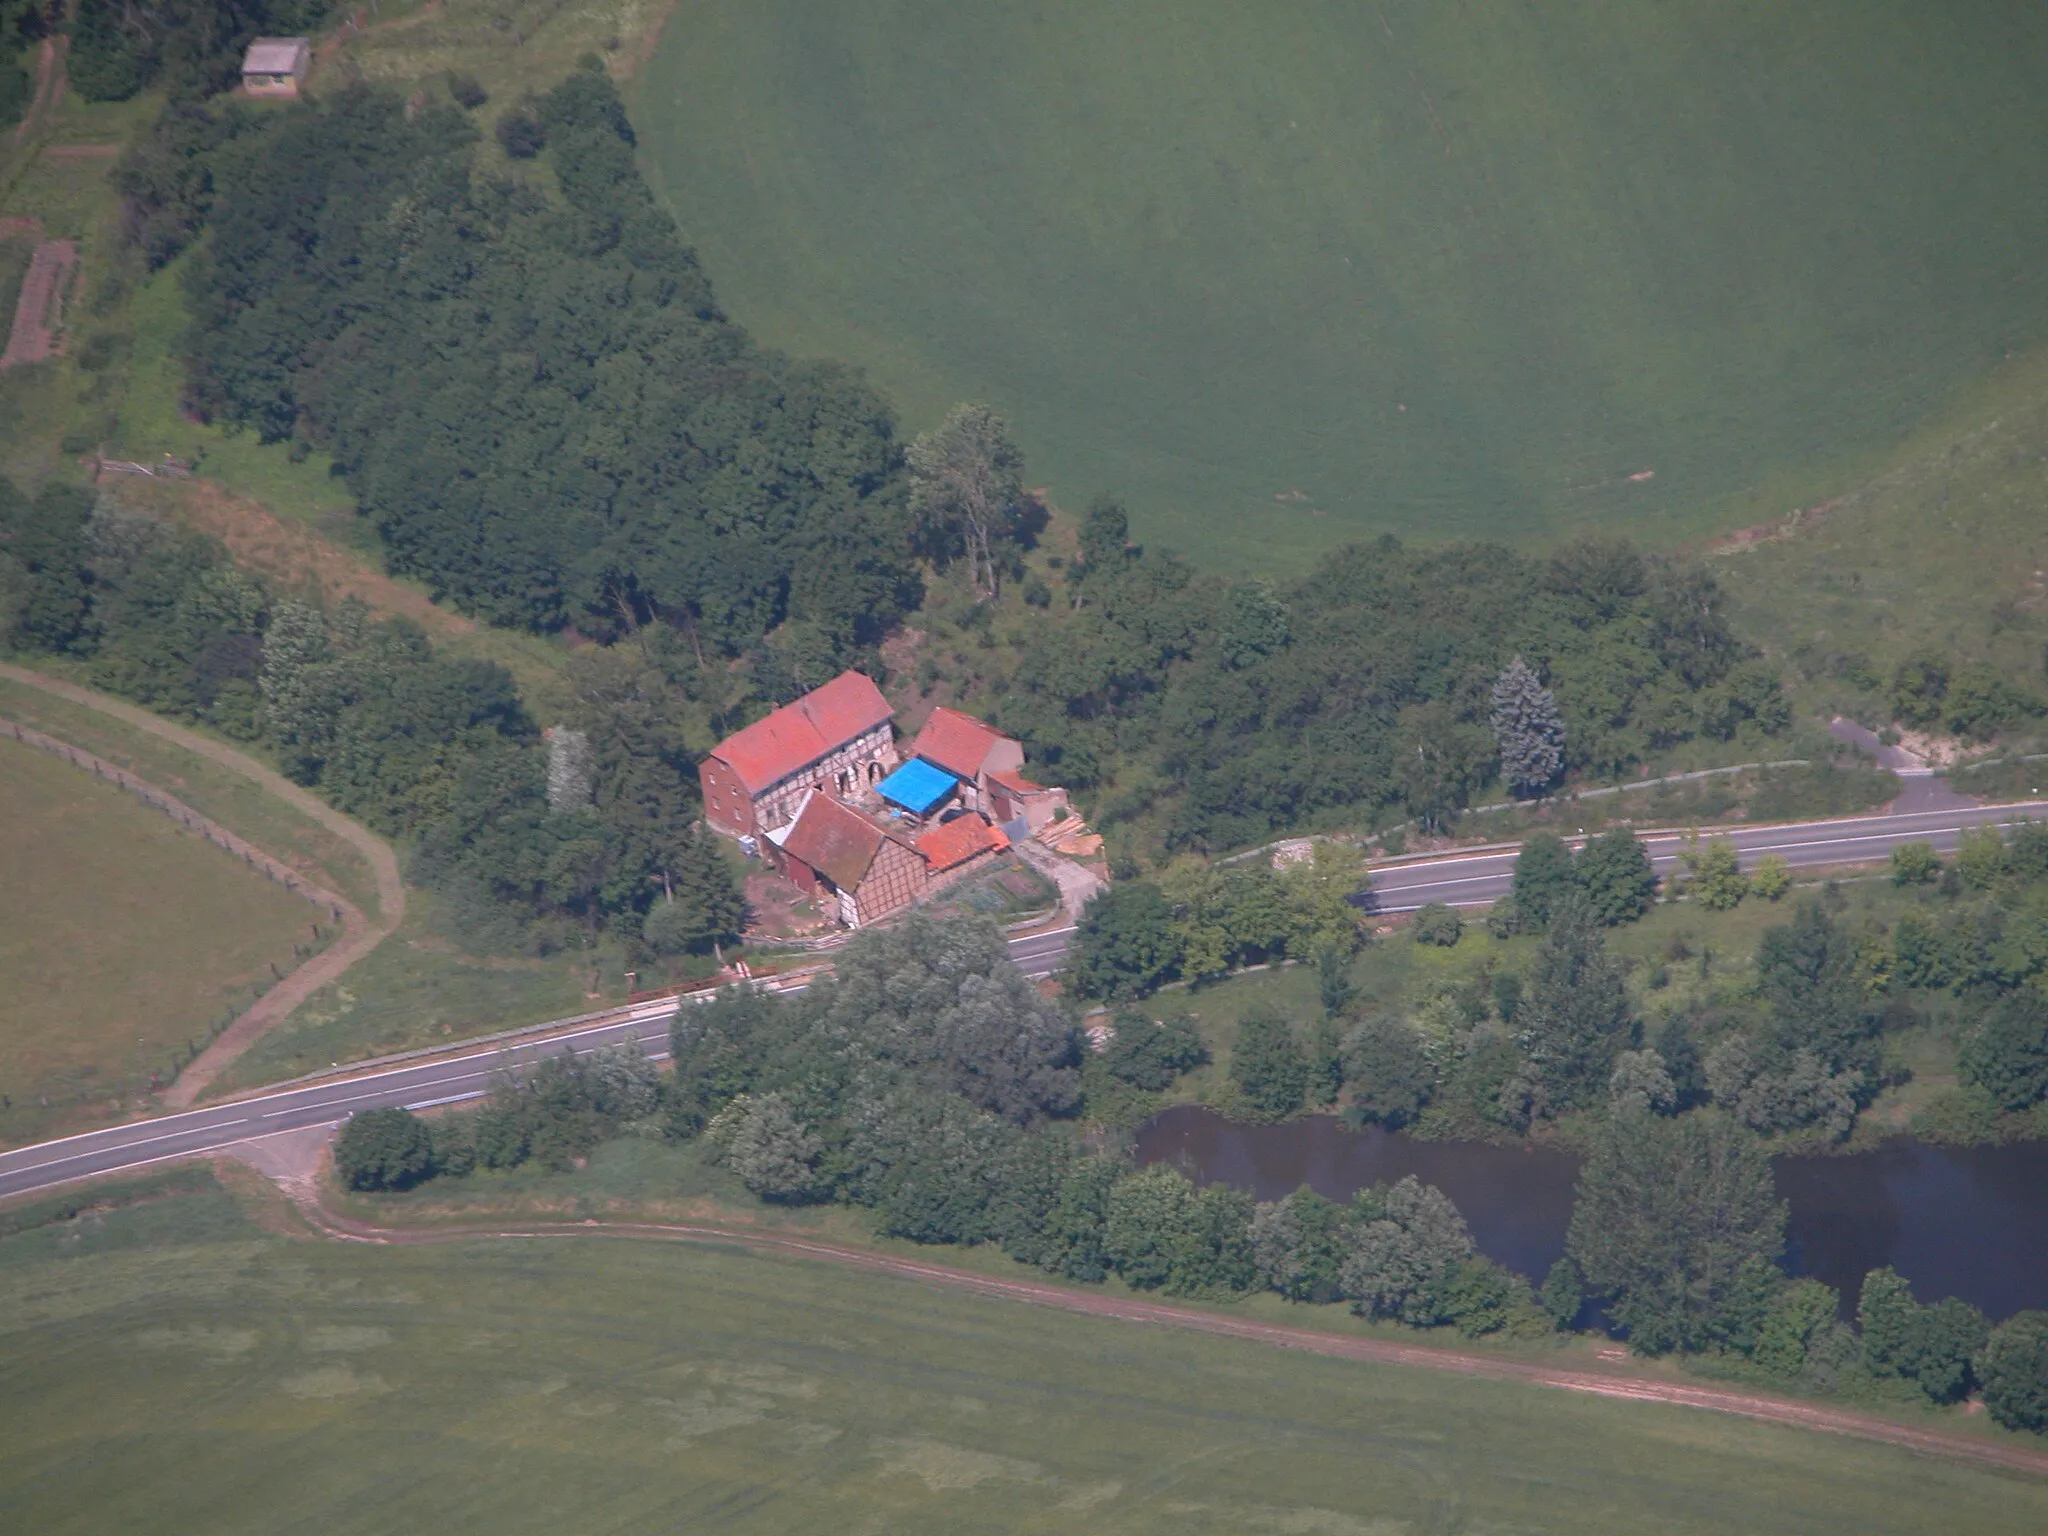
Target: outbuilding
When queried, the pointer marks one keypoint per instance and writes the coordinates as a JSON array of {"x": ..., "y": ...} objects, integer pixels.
[
  {"x": 856, "y": 870},
  {"x": 276, "y": 66}
]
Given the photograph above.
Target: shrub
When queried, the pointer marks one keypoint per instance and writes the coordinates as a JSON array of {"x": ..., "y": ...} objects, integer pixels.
[
  {"x": 1717, "y": 882},
  {"x": 1915, "y": 864},
  {"x": 520, "y": 134},
  {"x": 1771, "y": 878},
  {"x": 383, "y": 1149},
  {"x": 1149, "y": 1056},
  {"x": 467, "y": 90},
  {"x": 1439, "y": 924}
]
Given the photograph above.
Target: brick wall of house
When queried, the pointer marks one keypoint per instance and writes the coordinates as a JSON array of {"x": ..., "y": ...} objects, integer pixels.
[{"x": 727, "y": 806}]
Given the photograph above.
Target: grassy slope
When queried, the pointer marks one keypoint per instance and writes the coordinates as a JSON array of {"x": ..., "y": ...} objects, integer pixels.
[
  {"x": 417, "y": 989},
  {"x": 1947, "y": 550},
  {"x": 174, "y": 1367},
  {"x": 1207, "y": 253},
  {"x": 122, "y": 936}
]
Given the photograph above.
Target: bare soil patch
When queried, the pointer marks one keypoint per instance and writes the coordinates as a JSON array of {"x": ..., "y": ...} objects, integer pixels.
[
  {"x": 294, "y": 556},
  {"x": 39, "y": 313}
]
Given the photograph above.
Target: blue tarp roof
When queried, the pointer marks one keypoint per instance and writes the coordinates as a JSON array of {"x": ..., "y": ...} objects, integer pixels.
[{"x": 917, "y": 786}]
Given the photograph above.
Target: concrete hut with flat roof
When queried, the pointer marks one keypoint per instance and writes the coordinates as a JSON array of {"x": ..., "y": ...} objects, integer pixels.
[{"x": 276, "y": 66}]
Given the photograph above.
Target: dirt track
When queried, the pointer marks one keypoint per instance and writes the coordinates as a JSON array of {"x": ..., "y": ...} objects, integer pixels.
[
  {"x": 38, "y": 324},
  {"x": 1616, "y": 1384},
  {"x": 323, "y": 968}
]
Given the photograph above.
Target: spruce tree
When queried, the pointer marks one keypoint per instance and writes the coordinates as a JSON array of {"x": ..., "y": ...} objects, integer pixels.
[{"x": 1528, "y": 728}]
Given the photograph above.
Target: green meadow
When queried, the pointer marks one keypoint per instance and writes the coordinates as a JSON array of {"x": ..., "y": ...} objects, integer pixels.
[
  {"x": 172, "y": 1367},
  {"x": 1286, "y": 274}
]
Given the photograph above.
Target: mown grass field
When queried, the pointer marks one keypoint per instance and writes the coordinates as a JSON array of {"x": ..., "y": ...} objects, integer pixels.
[
  {"x": 173, "y": 1367},
  {"x": 121, "y": 937},
  {"x": 1285, "y": 275},
  {"x": 215, "y": 791}
]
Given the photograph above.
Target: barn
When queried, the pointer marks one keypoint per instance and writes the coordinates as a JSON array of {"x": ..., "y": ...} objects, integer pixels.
[
  {"x": 857, "y": 870},
  {"x": 836, "y": 738}
]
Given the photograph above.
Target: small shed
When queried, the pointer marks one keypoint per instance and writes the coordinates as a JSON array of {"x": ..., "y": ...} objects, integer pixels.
[{"x": 276, "y": 66}]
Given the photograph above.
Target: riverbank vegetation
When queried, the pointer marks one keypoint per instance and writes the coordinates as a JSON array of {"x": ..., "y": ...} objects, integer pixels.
[
  {"x": 1826, "y": 1016},
  {"x": 929, "y": 1086}
]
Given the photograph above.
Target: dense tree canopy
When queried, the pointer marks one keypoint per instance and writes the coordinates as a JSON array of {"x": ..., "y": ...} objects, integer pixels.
[
  {"x": 1371, "y": 682},
  {"x": 537, "y": 399}
]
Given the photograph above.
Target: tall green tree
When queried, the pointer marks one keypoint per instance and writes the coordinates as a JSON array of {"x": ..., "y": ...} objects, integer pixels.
[
  {"x": 1808, "y": 970},
  {"x": 1527, "y": 728},
  {"x": 1127, "y": 944},
  {"x": 1544, "y": 875},
  {"x": 2014, "y": 1368},
  {"x": 2007, "y": 1053},
  {"x": 1269, "y": 1068},
  {"x": 1615, "y": 870},
  {"x": 1438, "y": 761},
  {"x": 1668, "y": 1213},
  {"x": 1407, "y": 1244},
  {"x": 702, "y": 908},
  {"x": 967, "y": 491},
  {"x": 1574, "y": 1015}
]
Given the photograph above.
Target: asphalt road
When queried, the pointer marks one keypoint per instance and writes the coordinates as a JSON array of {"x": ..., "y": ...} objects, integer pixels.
[
  {"x": 1461, "y": 879},
  {"x": 1483, "y": 876},
  {"x": 448, "y": 1079}
]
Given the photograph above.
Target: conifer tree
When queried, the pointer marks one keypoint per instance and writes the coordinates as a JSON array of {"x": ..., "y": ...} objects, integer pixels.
[{"x": 1528, "y": 728}]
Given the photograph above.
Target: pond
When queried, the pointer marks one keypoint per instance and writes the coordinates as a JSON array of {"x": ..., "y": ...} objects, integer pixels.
[{"x": 1969, "y": 1222}]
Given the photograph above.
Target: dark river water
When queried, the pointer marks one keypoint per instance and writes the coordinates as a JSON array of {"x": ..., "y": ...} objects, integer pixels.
[{"x": 1971, "y": 1223}]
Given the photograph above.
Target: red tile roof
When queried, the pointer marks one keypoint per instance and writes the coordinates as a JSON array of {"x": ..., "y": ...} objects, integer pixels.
[
  {"x": 957, "y": 742},
  {"x": 959, "y": 840},
  {"x": 835, "y": 840},
  {"x": 1017, "y": 782},
  {"x": 797, "y": 735}
]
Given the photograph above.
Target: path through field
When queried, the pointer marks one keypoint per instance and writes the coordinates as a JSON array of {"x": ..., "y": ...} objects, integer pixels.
[
  {"x": 317, "y": 972},
  {"x": 50, "y": 79},
  {"x": 1600, "y": 1383},
  {"x": 38, "y": 313}
]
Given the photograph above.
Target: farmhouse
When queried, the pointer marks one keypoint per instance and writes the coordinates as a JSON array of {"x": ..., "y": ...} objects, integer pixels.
[
  {"x": 818, "y": 790},
  {"x": 834, "y": 738},
  {"x": 276, "y": 66},
  {"x": 848, "y": 863}
]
